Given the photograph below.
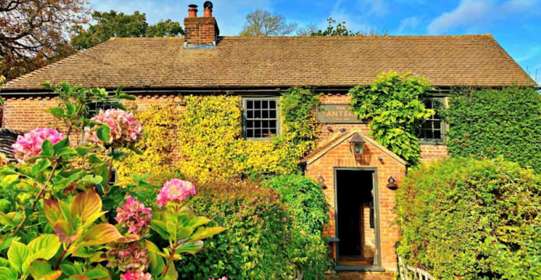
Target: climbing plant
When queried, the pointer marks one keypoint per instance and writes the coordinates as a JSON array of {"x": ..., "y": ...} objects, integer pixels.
[
  {"x": 491, "y": 123},
  {"x": 392, "y": 105},
  {"x": 203, "y": 139}
]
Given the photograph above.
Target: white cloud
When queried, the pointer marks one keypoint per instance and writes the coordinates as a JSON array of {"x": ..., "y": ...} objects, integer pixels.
[
  {"x": 473, "y": 13},
  {"x": 355, "y": 15},
  {"x": 407, "y": 25},
  {"x": 374, "y": 7},
  {"x": 229, "y": 13}
]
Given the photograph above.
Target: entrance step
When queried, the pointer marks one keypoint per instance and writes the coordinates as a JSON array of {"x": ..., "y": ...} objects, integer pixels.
[{"x": 353, "y": 275}]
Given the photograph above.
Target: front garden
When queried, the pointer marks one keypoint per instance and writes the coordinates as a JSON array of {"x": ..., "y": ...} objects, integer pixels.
[
  {"x": 188, "y": 197},
  {"x": 104, "y": 199}
]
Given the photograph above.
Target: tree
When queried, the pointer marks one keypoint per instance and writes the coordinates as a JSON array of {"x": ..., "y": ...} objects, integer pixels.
[
  {"x": 334, "y": 28},
  {"x": 32, "y": 32},
  {"x": 263, "y": 23},
  {"x": 114, "y": 24}
]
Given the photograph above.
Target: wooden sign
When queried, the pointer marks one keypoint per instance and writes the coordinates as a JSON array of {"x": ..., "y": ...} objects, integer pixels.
[{"x": 336, "y": 113}]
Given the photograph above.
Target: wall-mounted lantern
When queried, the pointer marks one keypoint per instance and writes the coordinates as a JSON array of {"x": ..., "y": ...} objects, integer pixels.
[
  {"x": 391, "y": 183},
  {"x": 357, "y": 145}
]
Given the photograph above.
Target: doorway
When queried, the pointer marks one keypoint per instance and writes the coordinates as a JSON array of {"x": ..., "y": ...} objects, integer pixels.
[{"x": 356, "y": 220}]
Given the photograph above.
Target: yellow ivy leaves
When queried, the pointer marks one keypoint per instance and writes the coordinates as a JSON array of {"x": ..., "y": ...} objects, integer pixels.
[{"x": 203, "y": 140}]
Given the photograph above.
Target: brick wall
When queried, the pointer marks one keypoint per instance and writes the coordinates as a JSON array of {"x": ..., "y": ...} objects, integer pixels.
[
  {"x": 26, "y": 113},
  {"x": 384, "y": 166},
  {"x": 429, "y": 152},
  {"x": 200, "y": 30},
  {"x": 433, "y": 152}
]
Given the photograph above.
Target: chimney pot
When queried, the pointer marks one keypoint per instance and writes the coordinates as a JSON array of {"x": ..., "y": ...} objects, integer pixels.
[
  {"x": 192, "y": 10},
  {"x": 208, "y": 9}
]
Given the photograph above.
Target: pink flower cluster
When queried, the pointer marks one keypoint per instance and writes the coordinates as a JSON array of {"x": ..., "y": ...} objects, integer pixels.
[
  {"x": 128, "y": 257},
  {"x": 134, "y": 215},
  {"x": 175, "y": 190},
  {"x": 136, "y": 275},
  {"x": 28, "y": 145},
  {"x": 124, "y": 127}
]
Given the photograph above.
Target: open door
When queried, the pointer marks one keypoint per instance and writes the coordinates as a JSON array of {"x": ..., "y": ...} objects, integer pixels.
[{"x": 356, "y": 218}]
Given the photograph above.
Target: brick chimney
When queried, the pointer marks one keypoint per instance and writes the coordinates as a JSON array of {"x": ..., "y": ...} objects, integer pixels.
[{"x": 200, "y": 32}]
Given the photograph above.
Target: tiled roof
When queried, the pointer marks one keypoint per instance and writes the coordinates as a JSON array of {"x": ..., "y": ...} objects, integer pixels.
[{"x": 471, "y": 60}]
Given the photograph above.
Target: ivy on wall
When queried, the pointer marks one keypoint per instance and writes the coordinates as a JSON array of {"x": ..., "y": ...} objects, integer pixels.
[
  {"x": 393, "y": 106},
  {"x": 492, "y": 123},
  {"x": 203, "y": 139}
]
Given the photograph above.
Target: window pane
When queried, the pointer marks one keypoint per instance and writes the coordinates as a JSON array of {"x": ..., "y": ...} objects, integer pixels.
[
  {"x": 261, "y": 117},
  {"x": 431, "y": 129}
]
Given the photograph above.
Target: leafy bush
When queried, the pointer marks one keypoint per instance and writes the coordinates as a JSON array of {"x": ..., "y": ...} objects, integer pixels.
[
  {"x": 55, "y": 199},
  {"x": 257, "y": 238},
  {"x": 472, "y": 219},
  {"x": 307, "y": 207},
  {"x": 204, "y": 140},
  {"x": 491, "y": 123},
  {"x": 392, "y": 105}
]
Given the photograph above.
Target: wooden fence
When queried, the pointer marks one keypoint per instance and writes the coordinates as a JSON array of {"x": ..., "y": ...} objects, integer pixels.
[{"x": 407, "y": 272}]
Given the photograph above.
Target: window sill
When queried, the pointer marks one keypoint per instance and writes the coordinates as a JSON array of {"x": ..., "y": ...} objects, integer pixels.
[{"x": 432, "y": 142}]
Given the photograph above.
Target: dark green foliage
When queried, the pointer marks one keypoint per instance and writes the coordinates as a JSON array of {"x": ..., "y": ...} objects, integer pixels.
[
  {"x": 335, "y": 28},
  {"x": 307, "y": 207},
  {"x": 297, "y": 107},
  {"x": 472, "y": 219},
  {"x": 106, "y": 25},
  {"x": 491, "y": 123},
  {"x": 256, "y": 241}
]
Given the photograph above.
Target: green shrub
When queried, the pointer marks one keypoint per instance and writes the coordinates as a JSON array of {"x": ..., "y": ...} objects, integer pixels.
[
  {"x": 392, "y": 105},
  {"x": 490, "y": 123},
  {"x": 307, "y": 207},
  {"x": 255, "y": 243},
  {"x": 472, "y": 219}
]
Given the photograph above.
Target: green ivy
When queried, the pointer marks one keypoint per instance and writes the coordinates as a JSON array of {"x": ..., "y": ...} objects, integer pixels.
[
  {"x": 472, "y": 219},
  {"x": 308, "y": 210},
  {"x": 491, "y": 123},
  {"x": 392, "y": 105},
  {"x": 297, "y": 106}
]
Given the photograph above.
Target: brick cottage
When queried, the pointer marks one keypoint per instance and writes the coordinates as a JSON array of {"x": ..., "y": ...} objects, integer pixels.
[{"x": 359, "y": 176}]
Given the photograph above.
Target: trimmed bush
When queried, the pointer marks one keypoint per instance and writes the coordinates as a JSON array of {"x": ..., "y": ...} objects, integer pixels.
[
  {"x": 472, "y": 219},
  {"x": 256, "y": 241},
  {"x": 307, "y": 207},
  {"x": 491, "y": 123}
]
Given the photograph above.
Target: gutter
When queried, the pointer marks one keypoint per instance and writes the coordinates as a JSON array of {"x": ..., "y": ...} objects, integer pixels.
[{"x": 439, "y": 90}]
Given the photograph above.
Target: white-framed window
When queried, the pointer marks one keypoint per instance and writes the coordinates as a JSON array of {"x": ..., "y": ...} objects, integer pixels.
[
  {"x": 260, "y": 117},
  {"x": 433, "y": 129}
]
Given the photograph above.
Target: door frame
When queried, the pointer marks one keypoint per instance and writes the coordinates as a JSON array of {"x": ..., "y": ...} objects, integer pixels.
[{"x": 374, "y": 171}]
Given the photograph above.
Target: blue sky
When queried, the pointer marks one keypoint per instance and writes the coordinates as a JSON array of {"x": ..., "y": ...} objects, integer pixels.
[{"x": 516, "y": 24}]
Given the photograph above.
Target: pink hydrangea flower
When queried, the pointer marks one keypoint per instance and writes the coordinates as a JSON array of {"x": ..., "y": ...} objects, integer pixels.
[
  {"x": 123, "y": 125},
  {"x": 136, "y": 275},
  {"x": 175, "y": 190},
  {"x": 134, "y": 215},
  {"x": 28, "y": 145},
  {"x": 128, "y": 257}
]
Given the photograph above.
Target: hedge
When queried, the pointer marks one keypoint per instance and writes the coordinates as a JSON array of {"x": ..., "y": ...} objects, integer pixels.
[
  {"x": 257, "y": 238},
  {"x": 491, "y": 123},
  {"x": 308, "y": 210},
  {"x": 472, "y": 219}
]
